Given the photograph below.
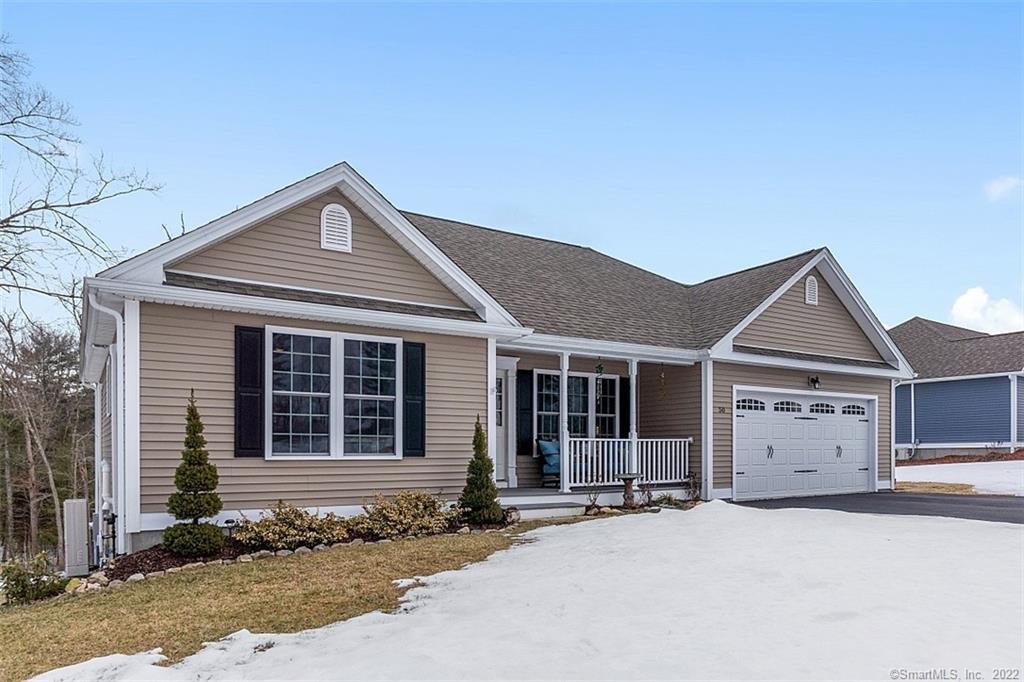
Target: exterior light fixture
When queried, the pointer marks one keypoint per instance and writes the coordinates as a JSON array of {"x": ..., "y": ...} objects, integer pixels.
[{"x": 814, "y": 382}]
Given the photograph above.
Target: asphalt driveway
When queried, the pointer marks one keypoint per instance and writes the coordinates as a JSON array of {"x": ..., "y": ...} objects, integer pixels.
[{"x": 981, "y": 507}]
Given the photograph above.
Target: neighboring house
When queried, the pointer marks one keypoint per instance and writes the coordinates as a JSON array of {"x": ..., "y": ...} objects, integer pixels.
[
  {"x": 968, "y": 394},
  {"x": 339, "y": 347}
]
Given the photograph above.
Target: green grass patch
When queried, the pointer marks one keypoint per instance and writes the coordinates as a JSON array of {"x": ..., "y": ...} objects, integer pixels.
[{"x": 181, "y": 611}]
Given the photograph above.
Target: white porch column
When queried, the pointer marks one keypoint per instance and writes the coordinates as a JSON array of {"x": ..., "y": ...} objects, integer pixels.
[
  {"x": 633, "y": 417},
  {"x": 563, "y": 417},
  {"x": 492, "y": 388}
]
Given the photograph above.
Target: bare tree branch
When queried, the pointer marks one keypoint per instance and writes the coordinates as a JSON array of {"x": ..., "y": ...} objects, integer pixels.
[{"x": 45, "y": 231}]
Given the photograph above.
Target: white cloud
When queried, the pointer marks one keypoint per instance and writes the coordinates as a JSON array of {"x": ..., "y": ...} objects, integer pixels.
[
  {"x": 1003, "y": 187},
  {"x": 975, "y": 309}
]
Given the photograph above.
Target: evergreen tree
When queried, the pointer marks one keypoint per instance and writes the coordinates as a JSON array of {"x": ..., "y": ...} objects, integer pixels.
[
  {"x": 196, "y": 497},
  {"x": 479, "y": 500}
]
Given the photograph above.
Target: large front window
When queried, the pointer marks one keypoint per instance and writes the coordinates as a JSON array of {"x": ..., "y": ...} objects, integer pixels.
[
  {"x": 592, "y": 401},
  {"x": 333, "y": 394}
]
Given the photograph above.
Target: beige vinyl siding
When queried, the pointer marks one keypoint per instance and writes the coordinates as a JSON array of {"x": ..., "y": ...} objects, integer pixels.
[
  {"x": 286, "y": 250},
  {"x": 727, "y": 375},
  {"x": 106, "y": 421},
  {"x": 183, "y": 348},
  {"x": 671, "y": 409},
  {"x": 824, "y": 329}
]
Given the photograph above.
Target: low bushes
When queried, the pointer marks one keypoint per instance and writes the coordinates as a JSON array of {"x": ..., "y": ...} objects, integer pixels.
[
  {"x": 287, "y": 527},
  {"x": 25, "y": 582},
  {"x": 411, "y": 512}
]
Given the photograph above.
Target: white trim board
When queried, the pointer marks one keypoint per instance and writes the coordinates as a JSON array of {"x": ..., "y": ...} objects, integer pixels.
[
  {"x": 613, "y": 350},
  {"x": 132, "y": 441},
  {"x": 965, "y": 377},
  {"x": 201, "y": 298},
  {"x": 741, "y": 358}
]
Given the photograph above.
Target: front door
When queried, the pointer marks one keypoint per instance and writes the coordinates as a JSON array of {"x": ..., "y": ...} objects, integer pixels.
[{"x": 501, "y": 422}]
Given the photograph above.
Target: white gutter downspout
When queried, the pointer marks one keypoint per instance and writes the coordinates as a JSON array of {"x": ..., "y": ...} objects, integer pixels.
[{"x": 118, "y": 409}]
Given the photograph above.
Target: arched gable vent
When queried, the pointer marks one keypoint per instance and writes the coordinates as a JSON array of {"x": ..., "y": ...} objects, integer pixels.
[
  {"x": 336, "y": 228},
  {"x": 811, "y": 290}
]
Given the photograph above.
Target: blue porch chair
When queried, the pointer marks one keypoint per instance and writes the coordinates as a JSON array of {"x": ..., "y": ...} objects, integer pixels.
[{"x": 551, "y": 462}]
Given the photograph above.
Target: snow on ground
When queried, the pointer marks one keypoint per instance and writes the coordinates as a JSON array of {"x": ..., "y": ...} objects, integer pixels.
[
  {"x": 718, "y": 592},
  {"x": 1000, "y": 478}
]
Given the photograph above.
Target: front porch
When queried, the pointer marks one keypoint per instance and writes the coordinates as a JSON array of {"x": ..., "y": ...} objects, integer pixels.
[{"x": 573, "y": 422}]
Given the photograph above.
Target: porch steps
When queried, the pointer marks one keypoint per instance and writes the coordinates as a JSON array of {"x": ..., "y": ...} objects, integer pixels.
[{"x": 548, "y": 510}]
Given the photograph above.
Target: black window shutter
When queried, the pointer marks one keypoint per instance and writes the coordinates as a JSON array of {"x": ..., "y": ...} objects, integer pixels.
[
  {"x": 249, "y": 433},
  {"x": 414, "y": 399},
  {"x": 623, "y": 407},
  {"x": 524, "y": 412}
]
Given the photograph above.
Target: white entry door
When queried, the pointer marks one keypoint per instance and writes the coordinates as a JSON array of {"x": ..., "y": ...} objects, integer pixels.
[
  {"x": 501, "y": 422},
  {"x": 789, "y": 444}
]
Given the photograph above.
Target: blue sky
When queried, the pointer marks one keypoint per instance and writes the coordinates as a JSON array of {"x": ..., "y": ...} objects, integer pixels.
[{"x": 690, "y": 139}]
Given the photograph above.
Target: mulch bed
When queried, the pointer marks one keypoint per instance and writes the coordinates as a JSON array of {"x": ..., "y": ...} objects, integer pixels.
[
  {"x": 955, "y": 459},
  {"x": 157, "y": 558}
]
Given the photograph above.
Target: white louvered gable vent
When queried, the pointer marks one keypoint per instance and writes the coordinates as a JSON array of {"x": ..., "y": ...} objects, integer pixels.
[
  {"x": 336, "y": 228},
  {"x": 811, "y": 290}
]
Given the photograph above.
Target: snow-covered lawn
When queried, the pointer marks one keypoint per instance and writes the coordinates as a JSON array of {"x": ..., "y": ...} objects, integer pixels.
[
  {"x": 719, "y": 592},
  {"x": 1000, "y": 478}
]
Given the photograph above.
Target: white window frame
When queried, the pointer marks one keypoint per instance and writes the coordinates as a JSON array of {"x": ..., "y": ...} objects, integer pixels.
[
  {"x": 337, "y": 415},
  {"x": 591, "y": 400}
]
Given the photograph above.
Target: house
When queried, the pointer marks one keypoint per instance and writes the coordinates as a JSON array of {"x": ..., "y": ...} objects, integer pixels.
[
  {"x": 338, "y": 347},
  {"x": 968, "y": 395}
]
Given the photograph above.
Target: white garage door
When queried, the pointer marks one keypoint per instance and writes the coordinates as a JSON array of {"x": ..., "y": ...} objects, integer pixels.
[{"x": 801, "y": 444}]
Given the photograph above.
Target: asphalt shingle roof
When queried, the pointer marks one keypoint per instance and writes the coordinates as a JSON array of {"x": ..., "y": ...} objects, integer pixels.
[
  {"x": 568, "y": 290},
  {"x": 936, "y": 350}
]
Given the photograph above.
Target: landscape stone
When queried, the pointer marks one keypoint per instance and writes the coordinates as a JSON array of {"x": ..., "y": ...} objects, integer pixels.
[
  {"x": 319, "y": 548},
  {"x": 115, "y": 583},
  {"x": 263, "y": 554},
  {"x": 244, "y": 558},
  {"x": 173, "y": 569},
  {"x": 356, "y": 542},
  {"x": 135, "y": 577},
  {"x": 463, "y": 530},
  {"x": 384, "y": 540},
  {"x": 154, "y": 574},
  {"x": 303, "y": 550},
  {"x": 283, "y": 552},
  {"x": 215, "y": 562}
]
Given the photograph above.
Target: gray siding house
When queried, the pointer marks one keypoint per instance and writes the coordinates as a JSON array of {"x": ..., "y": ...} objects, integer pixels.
[{"x": 968, "y": 395}]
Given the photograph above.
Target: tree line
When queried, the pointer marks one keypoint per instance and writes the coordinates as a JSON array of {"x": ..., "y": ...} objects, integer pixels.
[{"x": 48, "y": 189}]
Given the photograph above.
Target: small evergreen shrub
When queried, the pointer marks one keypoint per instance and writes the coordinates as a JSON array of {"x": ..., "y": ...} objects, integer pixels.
[
  {"x": 479, "y": 500},
  {"x": 196, "y": 497},
  {"x": 193, "y": 540},
  {"x": 288, "y": 527},
  {"x": 411, "y": 512},
  {"x": 24, "y": 582}
]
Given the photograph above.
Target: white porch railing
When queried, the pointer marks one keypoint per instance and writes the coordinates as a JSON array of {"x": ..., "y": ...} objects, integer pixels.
[{"x": 600, "y": 461}]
